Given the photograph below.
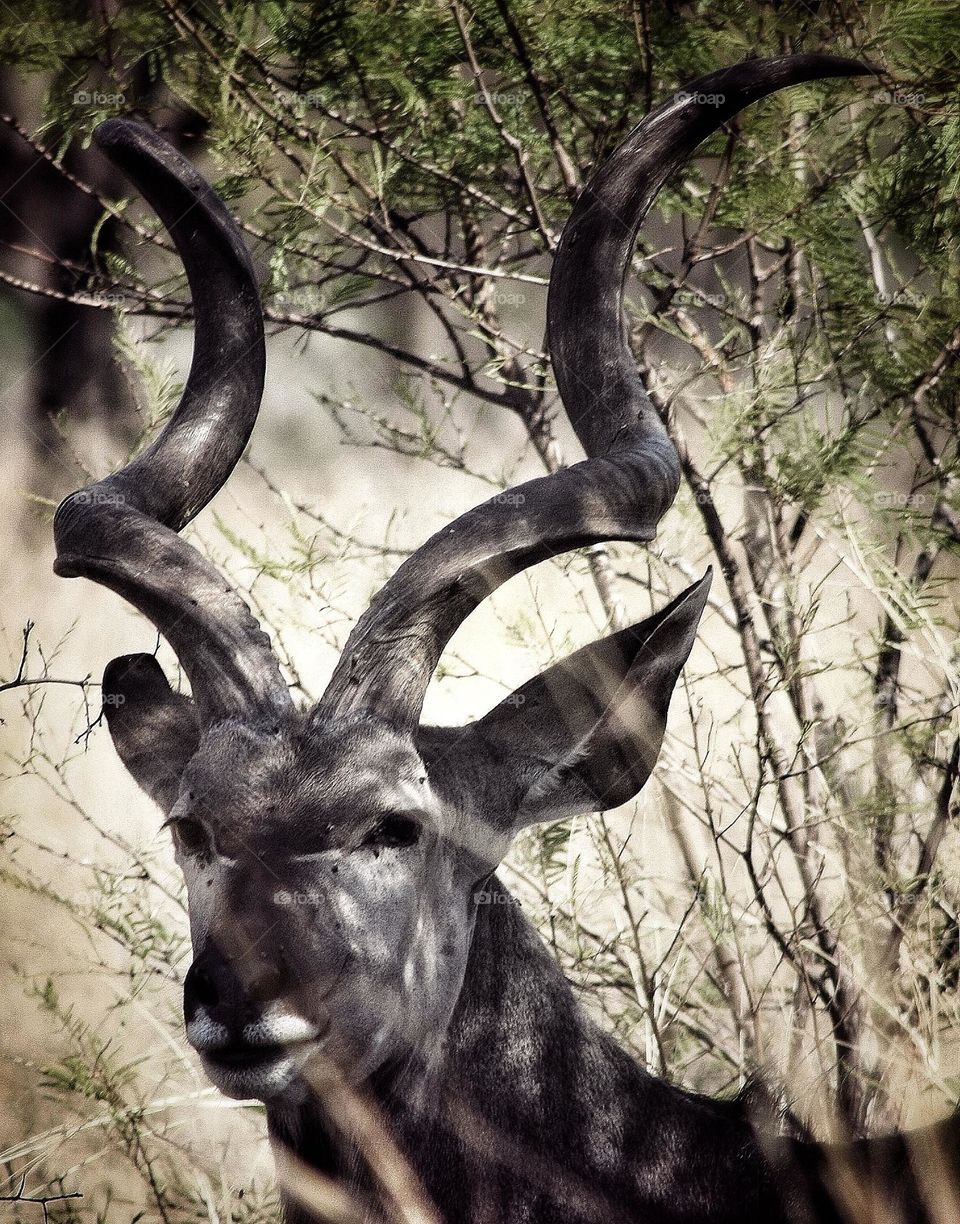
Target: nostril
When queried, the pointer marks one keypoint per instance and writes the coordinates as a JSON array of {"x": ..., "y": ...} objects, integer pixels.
[
  {"x": 228, "y": 993},
  {"x": 199, "y": 989},
  {"x": 205, "y": 989}
]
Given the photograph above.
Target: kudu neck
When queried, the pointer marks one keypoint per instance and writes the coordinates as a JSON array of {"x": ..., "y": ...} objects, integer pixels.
[{"x": 530, "y": 1103}]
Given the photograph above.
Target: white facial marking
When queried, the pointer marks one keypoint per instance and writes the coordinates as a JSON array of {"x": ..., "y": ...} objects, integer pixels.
[
  {"x": 206, "y": 1034},
  {"x": 235, "y": 1066},
  {"x": 279, "y": 1027}
]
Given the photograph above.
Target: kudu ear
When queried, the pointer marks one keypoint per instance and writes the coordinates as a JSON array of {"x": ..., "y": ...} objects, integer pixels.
[
  {"x": 154, "y": 730},
  {"x": 584, "y": 735}
]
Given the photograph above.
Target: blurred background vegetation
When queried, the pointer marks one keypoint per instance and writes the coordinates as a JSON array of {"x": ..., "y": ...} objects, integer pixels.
[{"x": 778, "y": 912}]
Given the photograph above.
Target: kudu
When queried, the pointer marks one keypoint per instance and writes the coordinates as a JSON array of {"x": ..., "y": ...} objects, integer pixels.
[{"x": 335, "y": 857}]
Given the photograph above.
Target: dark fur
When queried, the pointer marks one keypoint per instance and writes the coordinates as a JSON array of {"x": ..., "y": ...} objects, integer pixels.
[{"x": 536, "y": 1116}]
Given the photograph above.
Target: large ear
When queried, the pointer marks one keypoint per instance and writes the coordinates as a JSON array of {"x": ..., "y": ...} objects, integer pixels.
[
  {"x": 584, "y": 735},
  {"x": 154, "y": 730}
]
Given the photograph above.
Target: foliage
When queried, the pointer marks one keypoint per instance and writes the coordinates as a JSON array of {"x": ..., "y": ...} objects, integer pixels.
[{"x": 782, "y": 902}]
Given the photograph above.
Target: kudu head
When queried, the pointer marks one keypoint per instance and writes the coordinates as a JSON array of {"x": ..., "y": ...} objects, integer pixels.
[{"x": 333, "y": 855}]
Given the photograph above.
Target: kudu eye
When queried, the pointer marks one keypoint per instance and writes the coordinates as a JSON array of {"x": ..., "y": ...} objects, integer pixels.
[
  {"x": 190, "y": 836},
  {"x": 393, "y": 831}
]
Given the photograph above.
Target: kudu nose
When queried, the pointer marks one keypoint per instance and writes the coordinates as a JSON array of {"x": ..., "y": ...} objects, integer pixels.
[{"x": 227, "y": 997}]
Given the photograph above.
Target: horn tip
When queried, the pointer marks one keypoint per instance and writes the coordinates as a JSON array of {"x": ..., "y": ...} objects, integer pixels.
[{"x": 66, "y": 566}]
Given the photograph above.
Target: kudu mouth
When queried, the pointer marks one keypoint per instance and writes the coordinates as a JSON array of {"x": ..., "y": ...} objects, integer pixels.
[
  {"x": 267, "y": 1040},
  {"x": 263, "y": 1070}
]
